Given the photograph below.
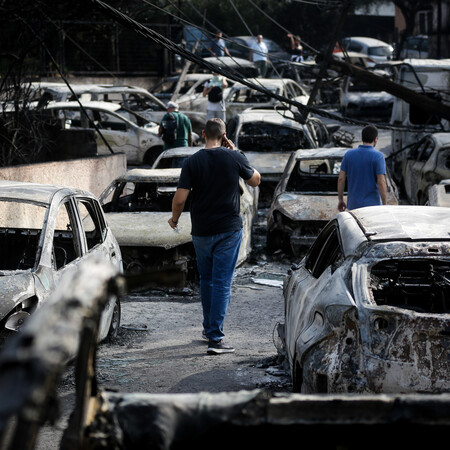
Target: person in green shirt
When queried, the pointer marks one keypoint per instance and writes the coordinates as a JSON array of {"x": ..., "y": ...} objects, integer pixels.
[{"x": 183, "y": 135}]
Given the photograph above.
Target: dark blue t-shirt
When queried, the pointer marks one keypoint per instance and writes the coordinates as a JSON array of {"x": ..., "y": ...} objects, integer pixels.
[
  {"x": 212, "y": 176},
  {"x": 362, "y": 165}
]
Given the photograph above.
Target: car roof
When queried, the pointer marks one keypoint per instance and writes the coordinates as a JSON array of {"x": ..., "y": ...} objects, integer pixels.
[
  {"x": 404, "y": 222},
  {"x": 35, "y": 192},
  {"x": 88, "y": 87},
  {"x": 269, "y": 116},
  {"x": 266, "y": 82},
  {"x": 321, "y": 152},
  {"x": 108, "y": 106},
  {"x": 180, "y": 151},
  {"x": 147, "y": 175}
]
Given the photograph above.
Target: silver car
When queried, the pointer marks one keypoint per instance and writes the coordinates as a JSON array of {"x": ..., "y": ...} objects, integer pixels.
[
  {"x": 367, "y": 309},
  {"x": 45, "y": 232}
]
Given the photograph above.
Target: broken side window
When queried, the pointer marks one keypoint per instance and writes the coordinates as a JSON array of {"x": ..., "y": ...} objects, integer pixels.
[
  {"x": 92, "y": 225},
  {"x": 65, "y": 244},
  {"x": 20, "y": 229}
]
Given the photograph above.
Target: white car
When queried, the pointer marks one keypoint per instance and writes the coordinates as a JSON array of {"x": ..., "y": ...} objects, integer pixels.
[
  {"x": 139, "y": 140},
  {"x": 378, "y": 51},
  {"x": 45, "y": 232},
  {"x": 241, "y": 97}
]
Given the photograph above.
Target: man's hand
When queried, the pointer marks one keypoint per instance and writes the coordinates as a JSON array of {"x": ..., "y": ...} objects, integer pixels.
[
  {"x": 172, "y": 223},
  {"x": 227, "y": 143},
  {"x": 342, "y": 206}
]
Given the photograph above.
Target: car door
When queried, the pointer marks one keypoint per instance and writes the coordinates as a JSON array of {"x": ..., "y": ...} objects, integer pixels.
[
  {"x": 118, "y": 133},
  {"x": 413, "y": 169},
  {"x": 67, "y": 242},
  {"x": 307, "y": 294}
]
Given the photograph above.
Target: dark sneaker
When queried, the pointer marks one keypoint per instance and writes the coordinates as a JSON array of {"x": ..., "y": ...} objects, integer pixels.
[{"x": 216, "y": 348}]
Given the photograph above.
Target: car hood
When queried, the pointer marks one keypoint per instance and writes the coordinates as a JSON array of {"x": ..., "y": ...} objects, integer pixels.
[
  {"x": 307, "y": 207},
  {"x": 149, "y": 229},
  {"x": 14, "y": 287},
  {"x": 268, "y": 163}
]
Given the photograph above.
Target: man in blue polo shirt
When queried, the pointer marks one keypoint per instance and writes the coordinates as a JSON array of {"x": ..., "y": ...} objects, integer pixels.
[{"x": 365, "y": 169}]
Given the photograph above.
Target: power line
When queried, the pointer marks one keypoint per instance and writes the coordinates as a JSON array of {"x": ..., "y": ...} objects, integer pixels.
[{"x": 155, "y": 36}]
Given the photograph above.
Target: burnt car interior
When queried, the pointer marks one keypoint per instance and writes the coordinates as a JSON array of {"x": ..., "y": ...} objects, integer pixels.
[
  {"x": 421, "y": 285},
  {"x": 266, "y": 137},
  {"x": 19, "y": 248},
  {"x": 142, "y": 196},
  {"x": 319, "y": 175}
]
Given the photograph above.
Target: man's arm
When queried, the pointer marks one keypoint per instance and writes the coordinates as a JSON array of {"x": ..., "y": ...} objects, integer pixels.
[
  {"x": 190, "y": 139},
  {"x": 178, "y": 202},
  {"x": 381, "y": 182},
  {"x": 255, "y": 179},
  {"x": 341, "y": 186},
  {"x": 160, "y": 131}
]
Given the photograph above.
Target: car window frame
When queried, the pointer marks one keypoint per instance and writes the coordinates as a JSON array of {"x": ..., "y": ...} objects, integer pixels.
[{"x": 98, "y": 219}]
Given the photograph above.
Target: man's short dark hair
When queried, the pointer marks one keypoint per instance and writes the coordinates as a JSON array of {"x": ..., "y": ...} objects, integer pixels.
[
  {"x": 215, "y": 128},
  {"x": 369, "y": 134}
]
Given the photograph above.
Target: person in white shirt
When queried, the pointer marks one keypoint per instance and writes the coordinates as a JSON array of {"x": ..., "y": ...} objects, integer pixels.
[
  {"x": 214, "y": 90},
  {"x": 258, "y": 54}
]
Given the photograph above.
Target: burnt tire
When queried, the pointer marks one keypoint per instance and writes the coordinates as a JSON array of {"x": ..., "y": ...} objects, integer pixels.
[
  {"x": 113, "y": 330},
  {"x": 151, "y": 154}
]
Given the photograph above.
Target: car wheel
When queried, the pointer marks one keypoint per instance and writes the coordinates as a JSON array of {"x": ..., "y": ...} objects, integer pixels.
[
  {"x": 297, "y": 378},
  {"x": 151, "y": 154},
  {"x": 115, "y": 320}
]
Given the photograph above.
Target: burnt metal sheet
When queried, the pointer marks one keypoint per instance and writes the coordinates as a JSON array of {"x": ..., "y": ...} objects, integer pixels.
[
  {"x": 308, "y": 207},
  {"x": 149, "y": 229},
  {"x": 154, "y": 175},
  {"x": 439, "y": 195},
  {"x": 404, "y": 222}
]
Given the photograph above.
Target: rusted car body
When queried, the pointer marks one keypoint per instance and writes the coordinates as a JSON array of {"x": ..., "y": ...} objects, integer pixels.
[
  {"x": 427, "y": 163},
  {"x": 138, "y": 206},
  {"x": 367, "y": 309},
  {"x": 306, "y": 199},
  {"x": 45, "y": 232}
]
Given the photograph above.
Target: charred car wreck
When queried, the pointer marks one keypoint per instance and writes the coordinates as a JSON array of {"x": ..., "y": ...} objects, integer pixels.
[
  {"x": 138, "y": 205},
  {"x": 45, "y": 232},
  {"x": 367, "y": 309},
  {"x": 306, "y": 199}
]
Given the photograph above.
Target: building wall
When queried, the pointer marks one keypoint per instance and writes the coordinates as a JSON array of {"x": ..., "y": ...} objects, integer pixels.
[{"x": 91, "y": 174}]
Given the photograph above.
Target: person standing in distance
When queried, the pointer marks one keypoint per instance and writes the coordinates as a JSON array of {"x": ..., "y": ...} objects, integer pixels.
[
  {"x": 175, "y": 128},
  {"x": 218, "y": 46},
  {"x": 213, "y": 88},
  {"x": 258, "y": 54},
  {"x": 211, "y": 177},
  {"x": 365, "y": 169}
]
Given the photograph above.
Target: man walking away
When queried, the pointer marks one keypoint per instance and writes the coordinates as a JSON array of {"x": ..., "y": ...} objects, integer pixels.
[
  {"x": 258, "y": 54},
  {"x": 211, "y": 176},
  {"x": 175, "y": 128},
  {"x": 365, "y": 169}
]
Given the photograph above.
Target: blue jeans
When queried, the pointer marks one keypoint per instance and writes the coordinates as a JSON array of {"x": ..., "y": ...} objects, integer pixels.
[{"x": 216, "y": 260}]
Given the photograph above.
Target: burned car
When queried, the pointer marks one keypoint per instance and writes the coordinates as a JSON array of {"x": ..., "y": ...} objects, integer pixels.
[
  {"x": 268, "y": 136},
  {"x": 241, "y": 97},
  {"x": 426, "y": 163},
  {"x": 367, "y": 309},
  {"x": 138, "y": 205},
  {"x": 137, "y": 138},
  {"x": 47, "y": 231},
  {"x": 361, "y": 99},
  {"x": 306, "y": 199}
]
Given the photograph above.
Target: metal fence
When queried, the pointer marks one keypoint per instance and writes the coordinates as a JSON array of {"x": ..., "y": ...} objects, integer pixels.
[{"x": 107, "y": 48}]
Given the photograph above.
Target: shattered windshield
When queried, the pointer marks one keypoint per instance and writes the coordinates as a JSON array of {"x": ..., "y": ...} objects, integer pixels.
[
  {"x": 266, "y": 137},
  {"x": 315, "y": 175},
  {"x": 20, "y": 229}
]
